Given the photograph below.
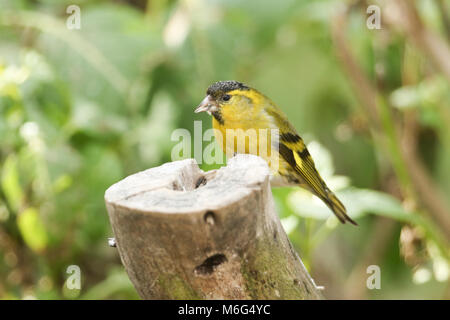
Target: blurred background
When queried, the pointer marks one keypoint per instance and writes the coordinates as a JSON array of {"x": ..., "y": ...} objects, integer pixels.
[{"x": 81, "y": 109}]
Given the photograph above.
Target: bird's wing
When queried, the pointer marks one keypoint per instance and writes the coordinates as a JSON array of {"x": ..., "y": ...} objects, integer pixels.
[
  {"x": 302, "y": 164},
  {"x": 293, "y": 150},
  {"x": 298, "y": 157}
]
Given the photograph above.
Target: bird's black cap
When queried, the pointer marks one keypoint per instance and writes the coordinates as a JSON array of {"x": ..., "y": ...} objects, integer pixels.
[{"x": 225, "y": 86}]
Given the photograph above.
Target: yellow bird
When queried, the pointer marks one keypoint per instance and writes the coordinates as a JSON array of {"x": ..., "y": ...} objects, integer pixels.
[{"x": 240, "y": 109}]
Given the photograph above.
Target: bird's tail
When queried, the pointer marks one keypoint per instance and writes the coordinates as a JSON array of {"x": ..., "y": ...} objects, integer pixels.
[{"x": 337, "y": 207}]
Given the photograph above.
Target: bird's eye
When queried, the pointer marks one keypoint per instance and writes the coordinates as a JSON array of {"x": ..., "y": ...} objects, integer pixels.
[{"x": 226, "y": 97}]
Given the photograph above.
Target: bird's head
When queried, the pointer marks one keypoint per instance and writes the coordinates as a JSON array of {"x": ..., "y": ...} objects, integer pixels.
[{"x": 225, "y": 93}]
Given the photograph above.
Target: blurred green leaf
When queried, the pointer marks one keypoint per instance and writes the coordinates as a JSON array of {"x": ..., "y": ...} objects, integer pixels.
[
  {"x": 289, "y": 223},
  {"x": 405, "y": 98},
  {"x": 62, "y": 183},
  {"x": 10, "y": 182},
  {"x": 116, "y": 283}
]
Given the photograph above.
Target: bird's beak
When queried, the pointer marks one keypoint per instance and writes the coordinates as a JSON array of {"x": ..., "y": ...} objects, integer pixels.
[{"x": 207, "y": 105}]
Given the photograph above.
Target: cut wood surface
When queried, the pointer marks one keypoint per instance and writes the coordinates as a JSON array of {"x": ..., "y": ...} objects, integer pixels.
[{"x": 187, "y": 234}]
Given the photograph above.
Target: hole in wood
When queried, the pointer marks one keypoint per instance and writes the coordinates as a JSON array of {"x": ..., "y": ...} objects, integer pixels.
[
  {"x": 208, "y": 266},
  {"x": 176, "y": 186},
  {"x": 185, "y": 184},
  {"x": 209, "y": 218}
]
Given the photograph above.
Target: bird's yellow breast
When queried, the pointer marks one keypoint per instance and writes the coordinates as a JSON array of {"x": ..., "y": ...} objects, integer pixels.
[{"x": 244, "y": 130}]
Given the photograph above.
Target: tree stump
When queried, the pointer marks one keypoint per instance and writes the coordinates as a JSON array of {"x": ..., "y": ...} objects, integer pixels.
[{"x": 187, "y": 234}]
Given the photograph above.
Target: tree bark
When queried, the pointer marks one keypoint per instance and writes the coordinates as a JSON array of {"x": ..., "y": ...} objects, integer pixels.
[{"x": 187, "y": 234}]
